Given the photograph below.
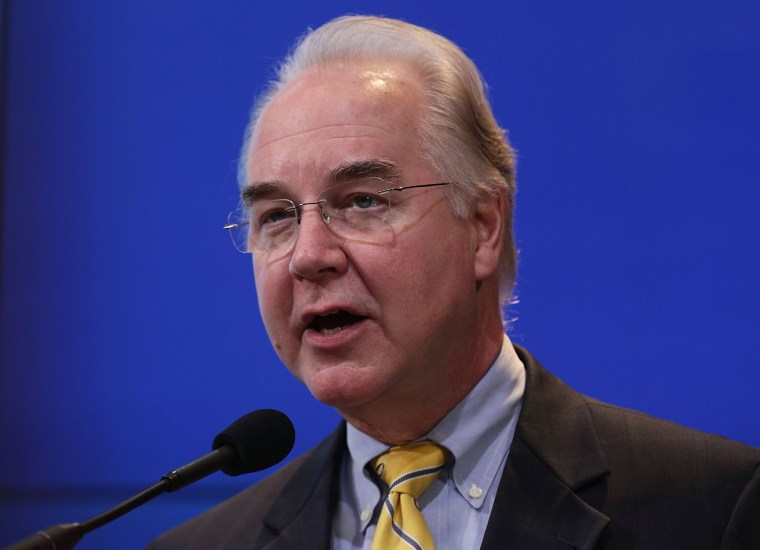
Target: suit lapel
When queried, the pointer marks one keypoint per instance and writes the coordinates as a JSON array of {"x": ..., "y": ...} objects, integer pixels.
[
  {"x": 554, "y": 473},
  {"x": 302, "y": 515}
]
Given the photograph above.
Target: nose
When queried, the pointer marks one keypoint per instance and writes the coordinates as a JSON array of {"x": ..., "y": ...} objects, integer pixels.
[{"x": 317, "y": 251}]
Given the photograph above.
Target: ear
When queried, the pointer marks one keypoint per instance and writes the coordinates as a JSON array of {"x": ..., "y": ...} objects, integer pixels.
[{"x": 488, "y": 225}]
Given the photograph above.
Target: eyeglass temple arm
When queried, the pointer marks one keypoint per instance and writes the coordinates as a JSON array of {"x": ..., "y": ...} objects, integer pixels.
[{"x": 402, "y": 187}]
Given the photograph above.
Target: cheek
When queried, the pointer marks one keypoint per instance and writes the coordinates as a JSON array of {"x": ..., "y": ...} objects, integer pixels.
[
  {"x": 274, "y": 299},
  {"x": 422, "y": 275}
]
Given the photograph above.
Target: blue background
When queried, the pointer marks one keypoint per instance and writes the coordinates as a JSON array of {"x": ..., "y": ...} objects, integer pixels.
[{"x": 130, "y": 332}]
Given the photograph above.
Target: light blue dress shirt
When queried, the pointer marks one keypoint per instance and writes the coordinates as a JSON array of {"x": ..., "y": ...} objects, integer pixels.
[{"x": 478, "y": 432}]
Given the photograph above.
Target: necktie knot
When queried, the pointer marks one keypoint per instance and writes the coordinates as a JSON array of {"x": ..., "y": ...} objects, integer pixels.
[
  {"x": 411, "y": 468},
  {"x": 408, "y": 471}
]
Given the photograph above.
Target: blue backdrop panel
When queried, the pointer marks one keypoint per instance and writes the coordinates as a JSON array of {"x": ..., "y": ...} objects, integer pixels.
[{"x": 129, "y": 329}]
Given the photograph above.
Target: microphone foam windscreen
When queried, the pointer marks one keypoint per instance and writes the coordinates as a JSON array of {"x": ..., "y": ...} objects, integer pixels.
[{"x": 260, "y": 438}]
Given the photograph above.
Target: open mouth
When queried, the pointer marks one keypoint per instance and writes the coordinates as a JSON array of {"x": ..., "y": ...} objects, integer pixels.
[{"x": 334, "y": 322}]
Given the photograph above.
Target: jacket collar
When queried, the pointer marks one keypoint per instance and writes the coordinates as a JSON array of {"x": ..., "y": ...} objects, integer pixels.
[
  {"x": 555, "y": 423},
  {"x": 555, "y": 459}
]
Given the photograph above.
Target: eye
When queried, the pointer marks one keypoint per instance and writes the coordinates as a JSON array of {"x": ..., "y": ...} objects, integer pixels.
[
  {"x": 271, "y": 217},
  {"x": 365, "y": 201},
  {"x": 356, "y": 198},
  {"x": 274, "y": 216}
]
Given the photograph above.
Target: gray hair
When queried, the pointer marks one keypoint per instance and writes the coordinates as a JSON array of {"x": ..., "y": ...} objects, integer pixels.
[{"x": 458, "y": 132}]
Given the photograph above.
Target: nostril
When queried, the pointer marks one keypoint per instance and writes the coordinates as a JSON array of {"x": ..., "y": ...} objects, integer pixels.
[{"x": 317, "y": 252}]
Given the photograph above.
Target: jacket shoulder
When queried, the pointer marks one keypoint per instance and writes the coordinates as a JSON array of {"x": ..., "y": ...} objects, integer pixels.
[
  {"x": 654, "y": 451},
  {"x": 660, "y": 484}
]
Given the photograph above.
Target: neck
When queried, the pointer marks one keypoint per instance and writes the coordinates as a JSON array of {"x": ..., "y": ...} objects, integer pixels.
[{"x": 399, "y": 419}]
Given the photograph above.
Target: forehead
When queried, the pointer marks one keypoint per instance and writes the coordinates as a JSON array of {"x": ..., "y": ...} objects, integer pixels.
[{"x": 335, "y": 116}]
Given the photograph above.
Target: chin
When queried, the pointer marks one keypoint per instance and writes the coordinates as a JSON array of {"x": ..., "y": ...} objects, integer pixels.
[{"x": 342, "y": 387}]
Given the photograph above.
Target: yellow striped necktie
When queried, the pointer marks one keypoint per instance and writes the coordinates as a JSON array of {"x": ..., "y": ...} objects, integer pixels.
[{"x": 408, "y": 471}]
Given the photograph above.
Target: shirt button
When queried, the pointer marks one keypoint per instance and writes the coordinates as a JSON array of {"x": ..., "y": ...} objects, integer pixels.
[
  {"x": 475, "y": 492},
  {"x": 365, "y": 514}
]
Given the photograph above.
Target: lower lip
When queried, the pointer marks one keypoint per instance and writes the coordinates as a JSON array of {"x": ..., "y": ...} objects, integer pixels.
[{"x": 321, "y": 341}]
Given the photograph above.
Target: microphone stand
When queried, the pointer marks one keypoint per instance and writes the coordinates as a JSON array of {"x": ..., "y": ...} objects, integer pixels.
[{"x": 65, "y": 536}]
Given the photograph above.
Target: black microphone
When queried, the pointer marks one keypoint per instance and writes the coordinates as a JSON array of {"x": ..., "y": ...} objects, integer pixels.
[{"x": 253, "y": 442}]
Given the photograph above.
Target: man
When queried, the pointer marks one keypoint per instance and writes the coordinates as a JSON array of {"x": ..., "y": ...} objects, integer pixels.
[{"x": 377, "y": 204}]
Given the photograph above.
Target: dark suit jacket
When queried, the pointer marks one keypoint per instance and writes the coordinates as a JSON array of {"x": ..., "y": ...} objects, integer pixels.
[{"x": 580, "y": 474}]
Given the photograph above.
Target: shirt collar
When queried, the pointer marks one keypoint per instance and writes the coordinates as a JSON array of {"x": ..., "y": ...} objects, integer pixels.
[{"x": 478, "y": 432}]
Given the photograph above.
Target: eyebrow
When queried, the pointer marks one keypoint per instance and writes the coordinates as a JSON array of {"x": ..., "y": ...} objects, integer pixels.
[
  {"x": 255, "y": 191},
  {"x": 369, "y": 168}
]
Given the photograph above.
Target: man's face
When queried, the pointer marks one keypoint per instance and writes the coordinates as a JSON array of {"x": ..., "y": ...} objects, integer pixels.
[{"x": 407, "y": 308}]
